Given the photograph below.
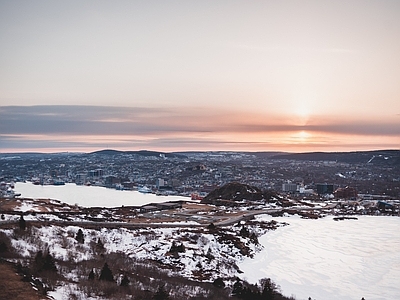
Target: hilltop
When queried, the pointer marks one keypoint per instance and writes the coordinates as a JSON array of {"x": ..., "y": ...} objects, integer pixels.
[
  {"x": 236, "y": 192},
  {"x": 377, "y": 157},
  {"x": 139, "y": 153}
]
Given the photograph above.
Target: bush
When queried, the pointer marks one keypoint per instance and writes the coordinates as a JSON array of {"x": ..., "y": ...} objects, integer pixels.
[
  {"x": 175, "y": 248},
  {"x": 219, "y": 283},
  {"x": 161, "y": 294},
  {"x": 5, "y": 245}
]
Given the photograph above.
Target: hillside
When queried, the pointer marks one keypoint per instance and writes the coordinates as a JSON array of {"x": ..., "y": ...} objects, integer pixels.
[
  {"x": 183, "y": 263},
  {"x": 12, "y": 287},
  {"x": 237, "y": 192},
  {"x": 139, "y": 153},
  {"x": 377, "y": 157}
]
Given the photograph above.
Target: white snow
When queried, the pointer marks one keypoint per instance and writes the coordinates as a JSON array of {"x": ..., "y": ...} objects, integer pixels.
[
  {"x": 69, "y": 291},
  {"x": 179, "y": 223},
  {"x": 26, "y": 206},
  {"x": 322, "y": 259},
  {"x": 329, "y": 260}
]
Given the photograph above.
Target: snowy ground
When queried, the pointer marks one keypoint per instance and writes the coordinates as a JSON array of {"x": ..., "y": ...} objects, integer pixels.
[
  {"x": 207, "y": 254},
  {"x": 323, "y": 259},
  {"x": 329, "y": 260}
]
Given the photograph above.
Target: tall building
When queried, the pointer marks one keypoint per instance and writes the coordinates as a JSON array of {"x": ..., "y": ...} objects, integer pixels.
[
  {"x": 324, "y": 188},
  {"x": 160, "y": 182},
  {"x": 289, "y": 187}
]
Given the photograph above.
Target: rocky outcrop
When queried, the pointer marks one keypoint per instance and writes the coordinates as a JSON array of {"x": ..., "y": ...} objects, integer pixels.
[{"x": 234, "y": 192}]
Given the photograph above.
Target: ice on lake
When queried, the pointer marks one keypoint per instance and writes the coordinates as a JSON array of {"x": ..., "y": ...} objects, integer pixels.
[
  {"x": 329, "y": 260},
  {"x": 90, "y": 196}
]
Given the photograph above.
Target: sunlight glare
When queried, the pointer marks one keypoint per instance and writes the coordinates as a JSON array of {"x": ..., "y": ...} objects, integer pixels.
[{"x": 302, "y": 136}]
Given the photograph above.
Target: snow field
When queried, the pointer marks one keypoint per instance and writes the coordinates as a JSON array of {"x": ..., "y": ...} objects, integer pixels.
[{"x": 326, "y": 259}]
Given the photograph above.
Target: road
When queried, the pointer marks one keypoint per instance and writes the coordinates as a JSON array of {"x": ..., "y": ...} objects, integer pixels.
[{"x": 227, "y": 220}]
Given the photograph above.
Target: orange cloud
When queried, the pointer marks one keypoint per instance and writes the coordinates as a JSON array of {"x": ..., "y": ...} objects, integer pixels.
[{"x": 92, "y": 127}]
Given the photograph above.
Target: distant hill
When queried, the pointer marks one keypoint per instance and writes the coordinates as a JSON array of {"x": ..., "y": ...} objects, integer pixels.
[
  {"x": 264, "y": 154},
  {"x": 107, "y": 152},
  {"x": 140, "y": 153},
  {"x": 268, "y": 154},
  {"x": 383, "y": 157}
]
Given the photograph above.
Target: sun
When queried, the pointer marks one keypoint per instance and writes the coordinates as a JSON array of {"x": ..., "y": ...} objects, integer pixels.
[{"x": 302, "y": 136}]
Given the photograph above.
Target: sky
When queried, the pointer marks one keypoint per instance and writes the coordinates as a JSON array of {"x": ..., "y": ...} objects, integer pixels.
[{"x": 295, "y": 76}]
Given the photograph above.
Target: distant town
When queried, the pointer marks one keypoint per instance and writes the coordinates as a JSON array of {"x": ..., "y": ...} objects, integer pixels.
[{"x": 365, "y": 175}]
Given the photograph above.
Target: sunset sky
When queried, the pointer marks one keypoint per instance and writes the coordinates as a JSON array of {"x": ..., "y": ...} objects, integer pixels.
[{"x": 294, "y": 76}]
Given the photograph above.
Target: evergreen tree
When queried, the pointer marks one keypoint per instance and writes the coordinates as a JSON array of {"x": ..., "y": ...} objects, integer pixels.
[
  {"x": 244, "y": 232},
  {"x": 125, "y": 281},
  {"x": 237, "y": 288},
  {"x": 79, "y": 236},
  {"x": 22, "y": 223},
  {"x": 44, "y": 262},
  {"x": 268, "y": 289},
  {"x": 254, "y": 238},
  {"x": 39, "y": 261},
  {"x": 161, "y": 294},
  {"x": 209, "y": 255},
  {"x": 49, "y": 263},
  {"x": 91, "y": 275},
  {"x": 106, "y": 273},
  {"x": 99, "y": 247},
  {"x": 3, "y": 247},
  {"x": 211, "y": 227},
  {"x": 177, "y": 248}
]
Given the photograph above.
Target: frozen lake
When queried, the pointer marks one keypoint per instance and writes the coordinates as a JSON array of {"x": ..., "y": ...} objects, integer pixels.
[
  {"x": 88, "y": 196},
  {"x": 329, "y": 260}
]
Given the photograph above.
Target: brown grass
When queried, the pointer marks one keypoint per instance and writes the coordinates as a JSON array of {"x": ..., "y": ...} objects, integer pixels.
[{"x": 12, "y": 287}]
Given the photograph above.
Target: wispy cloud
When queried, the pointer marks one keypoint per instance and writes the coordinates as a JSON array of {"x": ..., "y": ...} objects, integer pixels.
[{"x": 73, "y": 127}]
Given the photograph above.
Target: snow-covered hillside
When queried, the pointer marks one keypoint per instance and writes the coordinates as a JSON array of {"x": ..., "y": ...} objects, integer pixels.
[{"x": 197, "y": 254}]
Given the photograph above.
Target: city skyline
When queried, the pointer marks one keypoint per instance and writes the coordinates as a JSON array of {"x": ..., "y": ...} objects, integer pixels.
[{"x": 186, "y": 75}]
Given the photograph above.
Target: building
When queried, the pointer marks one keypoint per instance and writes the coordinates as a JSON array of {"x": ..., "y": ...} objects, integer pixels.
[
  {"x": 289, "y": 187},
  {"x": 80, "y": 178},
  {"x": 96, "y": 173},
  {"x": 160, "y": 183},
  {"x": 324, "y": 188}
]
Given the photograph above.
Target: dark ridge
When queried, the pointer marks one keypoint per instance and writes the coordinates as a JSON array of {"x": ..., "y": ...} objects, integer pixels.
[
  {"x": 383, "y": 157},
  {"x": 107, "y": 152},
  {"x": 262, "y": 154},
  {"x": 37, "y": 154},
  {"x": 236, "y": 191},
  {"x": 268, "y": 154},
  {"x": 140, "y": 153},
  {"x": 155, "y": 153}
]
